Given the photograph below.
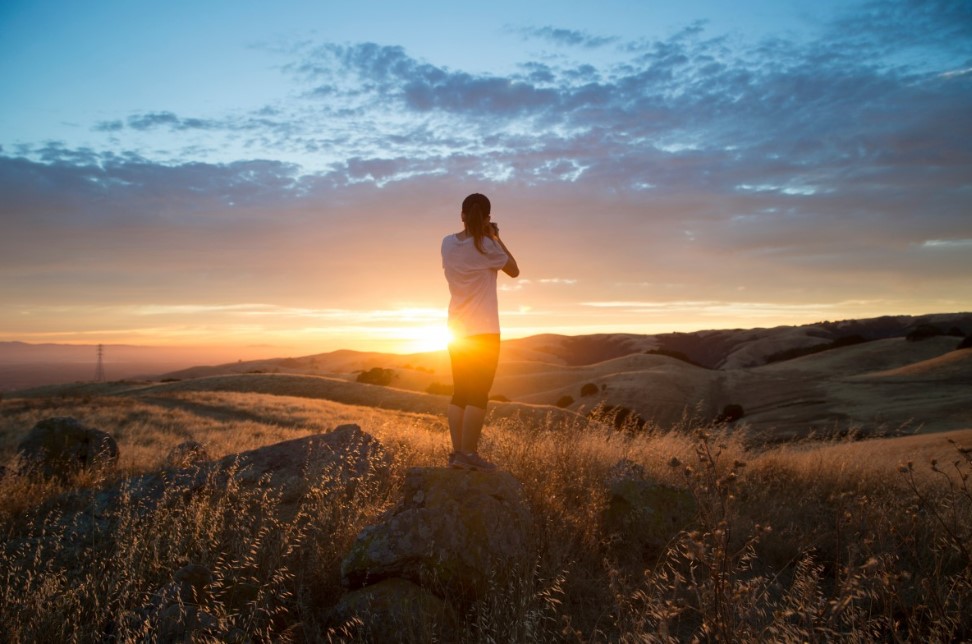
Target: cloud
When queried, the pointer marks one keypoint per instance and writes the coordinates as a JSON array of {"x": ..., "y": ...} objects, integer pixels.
[
  {"x": 783, "y": 167},
  {"x": 567, "y": 37},
  {"x": 887, "y": 27}
]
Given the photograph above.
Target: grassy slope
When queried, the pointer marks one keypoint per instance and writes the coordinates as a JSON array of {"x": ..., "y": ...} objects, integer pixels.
[{"x": 846, "y": 503}]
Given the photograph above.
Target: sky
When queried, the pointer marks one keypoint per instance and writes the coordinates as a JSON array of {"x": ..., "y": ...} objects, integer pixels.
[{"x": 277, "y": 177}]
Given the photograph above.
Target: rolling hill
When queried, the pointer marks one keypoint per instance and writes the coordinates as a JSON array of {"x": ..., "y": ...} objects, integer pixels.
[{"x": 875, "y": 386}]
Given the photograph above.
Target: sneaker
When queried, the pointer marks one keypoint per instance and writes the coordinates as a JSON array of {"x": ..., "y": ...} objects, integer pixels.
[
  {"x": 473, "y": 461},
  {"x": 452, "y": 461}
]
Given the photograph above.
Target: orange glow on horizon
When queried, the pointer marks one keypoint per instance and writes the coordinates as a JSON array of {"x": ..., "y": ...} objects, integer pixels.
[
  {"x": 230, "y": 332},
  {"x": 432, "y": 337}
]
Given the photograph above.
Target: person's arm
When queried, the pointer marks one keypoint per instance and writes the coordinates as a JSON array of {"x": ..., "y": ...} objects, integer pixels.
[{"x": 510, "y": 268}]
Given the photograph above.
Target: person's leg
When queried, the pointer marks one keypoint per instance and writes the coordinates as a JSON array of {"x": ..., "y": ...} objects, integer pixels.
[
  {"x": 484, "y": 358},
  {"x": 459, "y": 358},
  {"x": 472, "y": 427},
  {"x": 474, "y": 361},
  {"x": 456, "y": 419}
]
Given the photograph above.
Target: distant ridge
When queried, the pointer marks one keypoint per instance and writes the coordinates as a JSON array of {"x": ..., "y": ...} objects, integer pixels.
[
  {"x": 24, "y": 365},
  {"x": 867, "y": 388}
]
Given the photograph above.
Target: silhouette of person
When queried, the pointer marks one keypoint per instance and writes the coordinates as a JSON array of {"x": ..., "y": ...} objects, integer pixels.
[{"x": 471, "y": 260}]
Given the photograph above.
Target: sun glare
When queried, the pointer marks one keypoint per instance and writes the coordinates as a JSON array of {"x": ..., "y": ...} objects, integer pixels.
[{"x": 432, "y": 337}]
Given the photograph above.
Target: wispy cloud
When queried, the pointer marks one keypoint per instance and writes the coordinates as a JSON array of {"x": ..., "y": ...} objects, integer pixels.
[{"x": 566, "y": 37}]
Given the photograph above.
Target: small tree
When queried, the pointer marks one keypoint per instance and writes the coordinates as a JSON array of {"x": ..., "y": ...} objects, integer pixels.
[
  {"x": 439, "y": 389},
  {"x": 589, "y": 389},
  {"x": 923, "y": 332},
  {"x": 565, "y": 401},
  {"x": 376, "y": 376},
  {"x": 731, "y": 413}
]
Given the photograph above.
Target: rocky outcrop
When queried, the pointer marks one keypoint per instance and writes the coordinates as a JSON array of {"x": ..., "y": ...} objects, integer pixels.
[
  {"x": 61, "y": 447},
  {"x": 452, "y": 532},
  {"x": 334, "y": 462},
  {"x": 185, "y": 454},
  {"x": 339, "y": 460}
]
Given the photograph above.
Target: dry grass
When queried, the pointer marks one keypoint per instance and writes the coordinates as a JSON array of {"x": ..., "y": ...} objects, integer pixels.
[{"x": 805, "y": 542}]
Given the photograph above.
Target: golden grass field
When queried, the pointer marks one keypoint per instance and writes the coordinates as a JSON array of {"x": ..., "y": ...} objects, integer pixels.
[{"x": 804, "y": 540}]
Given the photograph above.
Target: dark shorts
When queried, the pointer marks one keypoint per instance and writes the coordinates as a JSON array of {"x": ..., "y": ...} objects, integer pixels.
[{"x": 474, "y": 360}]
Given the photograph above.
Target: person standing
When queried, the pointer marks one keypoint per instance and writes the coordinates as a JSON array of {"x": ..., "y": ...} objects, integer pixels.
[{"x": 471, "y": 260}]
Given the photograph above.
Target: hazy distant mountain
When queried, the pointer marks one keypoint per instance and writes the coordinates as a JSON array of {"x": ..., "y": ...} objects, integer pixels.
[
  {"x": 25, "y": 365},
  {"x": 860, "y": 376}
]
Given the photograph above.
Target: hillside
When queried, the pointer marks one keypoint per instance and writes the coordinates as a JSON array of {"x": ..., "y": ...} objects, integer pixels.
[
  {"x": 863, "y": 525},
  {"x": 875, "y": 386}
]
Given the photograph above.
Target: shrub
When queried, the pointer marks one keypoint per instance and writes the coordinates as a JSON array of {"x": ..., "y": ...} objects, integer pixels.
[
  {"x": 966, "y": 343},
  {"x": 376, "y": 376},
  {"x": 589, "y": 389},
  {"x": 923, "y": 332},
  {"x": 565, "y": 401},
  {"x": 730, "y": 413},
  {"x": 618, "y": 416},
  {"x": 439, "y": 389}
]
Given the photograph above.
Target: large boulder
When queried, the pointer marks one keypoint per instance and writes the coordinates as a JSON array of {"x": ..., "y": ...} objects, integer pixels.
[
  {"x": 393, "y": 610},
  {"x": 645, "y": 513},
  {"x": 452, "y": 533},
  {"x": 338, "y": 460},
  {"x": 61, "y": 447}
]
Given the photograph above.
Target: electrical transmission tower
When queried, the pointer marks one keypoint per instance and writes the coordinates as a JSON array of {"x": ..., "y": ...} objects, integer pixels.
[{"x": 100, "y": 369}]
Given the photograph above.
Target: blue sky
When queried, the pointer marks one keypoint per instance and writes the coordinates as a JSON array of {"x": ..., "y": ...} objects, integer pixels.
[{"x": 281, "y": 173}]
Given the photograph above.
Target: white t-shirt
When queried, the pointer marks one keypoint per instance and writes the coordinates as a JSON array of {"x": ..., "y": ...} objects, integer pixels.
[{"x": 473, "y": 308}]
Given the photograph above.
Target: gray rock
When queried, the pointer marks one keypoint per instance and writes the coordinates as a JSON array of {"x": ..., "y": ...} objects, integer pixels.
[
  {"x": 185, "y": 454},
  {"x": 393, "y": 610},
  {"x": 452, "y": 532},
  {"x": 625, "y": 469},
  {"x": 339, "y": 460},
  {"x": 60, "y": 447}
]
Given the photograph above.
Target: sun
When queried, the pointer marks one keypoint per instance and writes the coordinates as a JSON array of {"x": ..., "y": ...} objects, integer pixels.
[{"x": 431, "y": 337}]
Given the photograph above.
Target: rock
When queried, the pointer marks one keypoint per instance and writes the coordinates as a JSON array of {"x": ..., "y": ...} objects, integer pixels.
[
  {"x": 60, "y": 447},
  {"x": 625, "y": 469},
  {"x": 645, "y": 512},
  {"x": 338, "y": 460},
  {"x": 451, "y": 533},
  {"x": 393, "y": 610},
  {"x": 185, "y": 454}
]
